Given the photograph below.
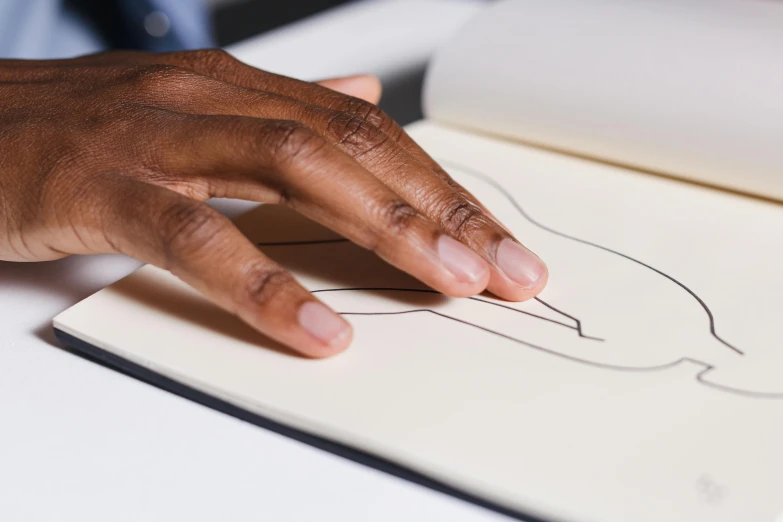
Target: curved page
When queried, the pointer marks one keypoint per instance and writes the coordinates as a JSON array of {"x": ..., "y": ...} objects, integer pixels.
[{"x": 691, "y": 88}]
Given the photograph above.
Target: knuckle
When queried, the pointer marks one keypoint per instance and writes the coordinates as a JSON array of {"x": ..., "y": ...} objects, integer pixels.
[
  {"x": 461, "y": 217},
  {"x": 368, "y": 112},
  {"x": 356, "y": 133},
  {"x": 212, "y": 59},
  {"x": 151, "y": 73},
  {"x": 264, "y": 284},
  {"x": 163, "y": 79},
  {"x": 289, "y": 140},
  {"x": 186, "y": 228},
  {"x": 396, "y": 216}
]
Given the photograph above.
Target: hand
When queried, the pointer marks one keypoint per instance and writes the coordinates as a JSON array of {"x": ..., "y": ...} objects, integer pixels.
[{"x": 117, "y": 153}]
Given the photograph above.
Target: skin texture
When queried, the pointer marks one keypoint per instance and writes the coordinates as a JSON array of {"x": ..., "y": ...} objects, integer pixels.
[{"x": 117, "y": 153}]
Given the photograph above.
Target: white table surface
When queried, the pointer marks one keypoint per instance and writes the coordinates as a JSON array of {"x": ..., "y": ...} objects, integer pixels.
[{"x": 81, "y": 442}]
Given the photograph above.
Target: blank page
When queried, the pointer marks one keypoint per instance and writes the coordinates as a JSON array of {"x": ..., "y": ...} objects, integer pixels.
[{"x": 690, "y": 88}]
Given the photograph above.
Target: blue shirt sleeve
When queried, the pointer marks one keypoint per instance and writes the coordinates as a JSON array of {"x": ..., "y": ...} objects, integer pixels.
[
  {"x": 166, "y": 25},
  {"x": 40, "y": 29}
]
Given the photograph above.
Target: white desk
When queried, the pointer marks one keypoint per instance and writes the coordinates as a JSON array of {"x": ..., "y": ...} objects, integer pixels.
[{"x": 81, "y": 442}]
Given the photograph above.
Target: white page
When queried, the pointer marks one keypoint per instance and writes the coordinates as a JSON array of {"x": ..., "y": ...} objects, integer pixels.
[
  {"x": 691, "y": 88},
  {"x": 517, "y": 408}
]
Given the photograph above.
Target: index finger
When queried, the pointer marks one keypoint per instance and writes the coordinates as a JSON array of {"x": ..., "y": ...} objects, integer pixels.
[{"x": 205, "y": 250}]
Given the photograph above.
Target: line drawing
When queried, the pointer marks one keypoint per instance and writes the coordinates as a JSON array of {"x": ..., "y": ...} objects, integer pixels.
[
  {"x": 557, "y": 310},
  {"x": 577, "y": 326},
  {"x": 487, "y": 179}
]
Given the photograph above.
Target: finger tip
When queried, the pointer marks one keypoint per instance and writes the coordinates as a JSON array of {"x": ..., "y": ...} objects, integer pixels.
[
  {"x": 321, "y": 349},
  {"x": 505, "y": 288},
  {"x": 368, "y": 87},
  {"x": 364, "y": 86},
  {"x": 374, "y": 89},
  {"x": 463, "y": 289}
]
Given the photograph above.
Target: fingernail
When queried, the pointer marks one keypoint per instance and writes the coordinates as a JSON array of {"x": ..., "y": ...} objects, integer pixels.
[
  {"x": 323, "y": 323},
  {"x": 461, "y": 261},
  {"x": 520, "y": 264}
]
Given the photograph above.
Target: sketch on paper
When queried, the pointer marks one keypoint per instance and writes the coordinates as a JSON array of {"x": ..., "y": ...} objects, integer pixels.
[{"x": 620, "y": 315}]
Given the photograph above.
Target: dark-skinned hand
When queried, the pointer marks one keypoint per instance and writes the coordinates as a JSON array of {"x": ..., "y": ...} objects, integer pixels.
[{"x": 117, "y": 153}]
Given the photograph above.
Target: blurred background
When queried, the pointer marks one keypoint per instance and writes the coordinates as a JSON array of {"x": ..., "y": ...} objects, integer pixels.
[
  {"x": 236, "y": 20},
  {"x": 393, "y": 41},
  {"x": 306, "y": 39}
]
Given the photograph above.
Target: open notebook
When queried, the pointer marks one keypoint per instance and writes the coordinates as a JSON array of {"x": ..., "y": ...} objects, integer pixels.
[{"x": 645, "y": 383}]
